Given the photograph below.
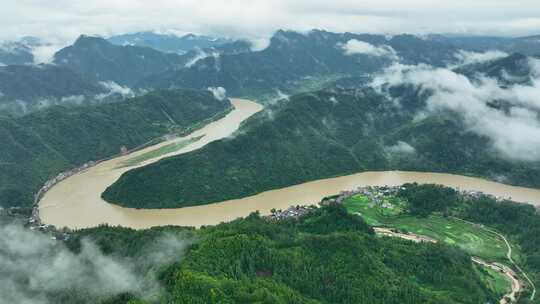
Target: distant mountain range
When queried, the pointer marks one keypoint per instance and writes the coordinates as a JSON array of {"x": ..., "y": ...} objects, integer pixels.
[
  {"x": 168, "y": 42},
  {"x": 292, "y": 63},
  {"x": 124, "y": 65},
  {"x": 525, "y": 45},
  {"x": 512, "y": 69},
  {"x": 293, "y": 56},
  {"x": 25, "y": 88},
  {"x": 12, "y": 52}
]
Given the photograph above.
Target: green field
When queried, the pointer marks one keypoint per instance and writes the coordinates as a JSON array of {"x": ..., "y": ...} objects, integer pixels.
[
  {"x": 471, "y": 238},
  {"x": 159, "y": 152},
  {"x": 494, "y": 280}
]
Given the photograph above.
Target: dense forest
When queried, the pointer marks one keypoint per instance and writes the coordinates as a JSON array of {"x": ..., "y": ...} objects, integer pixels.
[
  {"x": 40, "y": 145},
  {"x": 292, "y": 57},
  {"x": 317, "y": 135},
  {"x": 256, "y": 260}
]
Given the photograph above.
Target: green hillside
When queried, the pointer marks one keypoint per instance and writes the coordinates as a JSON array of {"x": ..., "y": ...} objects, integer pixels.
[
  {"x": 254, "y": 260},
  {"x": 40, "y": 145},
  {"x": 313, "y": 136},
  {"x": 293, "y": 57},
  {"x": 124, "y": 65}
]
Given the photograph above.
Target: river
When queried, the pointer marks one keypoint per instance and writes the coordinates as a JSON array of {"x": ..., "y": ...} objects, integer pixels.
[{"x": 76, "y": 201}]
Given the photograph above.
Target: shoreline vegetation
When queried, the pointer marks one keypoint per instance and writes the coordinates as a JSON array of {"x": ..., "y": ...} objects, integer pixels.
[
  {"x": 177, "y": 132},
  {"x": 313, "y": 136},
  {"x": 41, "y": 145}
]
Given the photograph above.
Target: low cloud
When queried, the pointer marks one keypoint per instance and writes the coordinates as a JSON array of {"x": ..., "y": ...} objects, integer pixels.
[
  {"x": 514, "y": 133},
  {"x": 201, "y": 54},
  {"x": 114, "y": 88},
  {"x": 357, "y": 47},
  {"x": 467, "y": 57},
  {"x": 219, "y": 92},
  {"x": 33, "y": 267},
  {"x": 401, "y": 147},
  {"x": 45, "y": 53}
]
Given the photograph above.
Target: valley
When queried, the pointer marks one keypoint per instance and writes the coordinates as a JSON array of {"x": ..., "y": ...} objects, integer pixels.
[
  {"x": 270, "y": 152},
  {"x": 76, "y": 203}
]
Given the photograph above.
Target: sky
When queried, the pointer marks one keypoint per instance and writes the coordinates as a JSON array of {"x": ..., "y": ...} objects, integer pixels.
[{"x": 61, "y": 21}]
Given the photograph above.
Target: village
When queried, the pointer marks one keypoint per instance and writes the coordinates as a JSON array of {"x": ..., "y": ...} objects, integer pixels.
[{"x": 375, "y": 196}]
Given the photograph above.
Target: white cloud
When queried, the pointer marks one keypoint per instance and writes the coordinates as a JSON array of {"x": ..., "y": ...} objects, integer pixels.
[
  {"x": 219, "y": 92},
  {"x": 354, "y": 47},
  {"x": 201, "y": 54},
  {"x": 45, "y": 53},
  {"x": 514, "y": 134},
  {"x": 467, "y": 57},
  {"x": 401, "y": 147},
  {"x": 66, "y": 19},
  {"x": 114, "y": 88}
]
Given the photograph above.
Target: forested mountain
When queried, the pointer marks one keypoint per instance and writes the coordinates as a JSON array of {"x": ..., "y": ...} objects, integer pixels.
[
  {"x": 513, "y": 69},
  {"x": 292, "y": 62},
  {"x": 327, "y": 256},
  {"x": 27, "y": 87},
  {"x": 318, "y": 135},
  {"x": 40, "y": 145},
  {"x": 292, "y": 56},
  {"x": 12, "y": 52},
  {"x": 169, "y": 43},
  {"x": 124, "y": 65},
  {"x": 525, "y": 45}
]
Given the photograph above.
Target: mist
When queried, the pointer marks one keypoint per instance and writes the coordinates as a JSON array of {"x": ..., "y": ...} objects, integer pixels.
[
  {"x": 514, "y": 133},
  {"x": 218, "y": 92},
  {"x": 357, "y": 47},
  {"x": 34, "y": 268}
]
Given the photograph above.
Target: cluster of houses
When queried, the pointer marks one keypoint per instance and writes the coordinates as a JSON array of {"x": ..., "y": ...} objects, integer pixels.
[
  {"x": 291, "y": 212},
  {"x": 374, "y": 194},
  {"x": 60, "y": 177}
]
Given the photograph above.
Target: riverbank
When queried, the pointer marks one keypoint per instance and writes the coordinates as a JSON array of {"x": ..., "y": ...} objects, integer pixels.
[
  {"x": 171, "y": 139},
  {"x": 75, "y": 202}
]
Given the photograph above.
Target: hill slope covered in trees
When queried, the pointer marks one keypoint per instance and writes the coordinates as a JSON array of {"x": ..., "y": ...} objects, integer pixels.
[
  {"x": 313, "y": 136},
  {"x": 254, "y": 260},
  {"x": 40, "y": 145}
]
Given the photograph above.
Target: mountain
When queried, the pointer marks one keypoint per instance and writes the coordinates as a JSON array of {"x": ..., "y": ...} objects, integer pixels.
[
  {"x": 12, "y": 52},
  {"x": 124, "y": 65},
  {"x": 525, "y": 45},
  {"x": 27, "y": 87},
  {"x": 168, "y": 43},
  {"x": 513, "y": 69},
  {"x": 38, "y": 146},
  {"x": 318, "y": 135},
  {"x": 293, "y": 59}
]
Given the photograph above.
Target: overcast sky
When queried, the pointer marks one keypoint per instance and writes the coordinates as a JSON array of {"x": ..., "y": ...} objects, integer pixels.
[{"x": 64, "y": 20}]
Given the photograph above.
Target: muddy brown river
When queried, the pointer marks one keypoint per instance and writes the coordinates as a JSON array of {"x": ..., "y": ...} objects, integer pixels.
[{"x": 76, "y": 203}]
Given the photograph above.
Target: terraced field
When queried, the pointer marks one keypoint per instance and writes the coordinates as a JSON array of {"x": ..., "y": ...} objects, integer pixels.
[{"x": 472, "y": 238}]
